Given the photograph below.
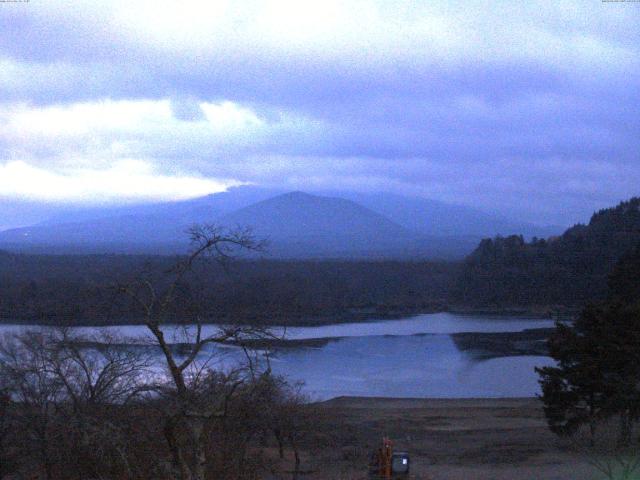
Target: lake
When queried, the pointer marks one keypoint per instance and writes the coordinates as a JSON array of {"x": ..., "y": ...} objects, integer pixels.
[{"x": 410, "y": 357}]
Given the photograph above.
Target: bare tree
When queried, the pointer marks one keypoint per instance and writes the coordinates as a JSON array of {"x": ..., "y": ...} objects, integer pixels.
[
  {"x": 291, "y": 418},
  {"x": 98, "y": 369},
  {"x": 94, "y": 406},
  {"x": 6, "y": 428},
  {"x": 64, "y": 387},
  {"x": 98, "y": 373},
  {"x": 193, "y": 400},
  {"x": 27, "y": 374}
]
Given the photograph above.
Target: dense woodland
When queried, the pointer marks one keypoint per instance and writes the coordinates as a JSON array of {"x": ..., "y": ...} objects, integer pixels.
[
  {"x": 503, "y": 274},
  {"x": 83, "y": 289},
  {"x": 564, "y": 272}
]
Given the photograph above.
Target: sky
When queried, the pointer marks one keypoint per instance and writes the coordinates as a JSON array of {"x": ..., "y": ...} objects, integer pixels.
[{"x": 528, "y": 109}]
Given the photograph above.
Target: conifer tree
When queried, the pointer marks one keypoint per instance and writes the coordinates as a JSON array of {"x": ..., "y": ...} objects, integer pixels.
[{"x": 598, "y": 360}]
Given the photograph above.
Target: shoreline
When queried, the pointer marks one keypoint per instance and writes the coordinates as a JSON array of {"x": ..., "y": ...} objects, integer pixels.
[
  {"x": 484, "y": 346},
  {"x": 357, "y": 401},
  {"x": 478, "y": 344},
  {"x": 383, "y": 314}
]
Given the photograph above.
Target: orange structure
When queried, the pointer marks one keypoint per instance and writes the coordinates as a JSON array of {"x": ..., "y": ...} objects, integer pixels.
[
  {"x": 386, "y": 452},
  {"x": 387, "y": 464}
]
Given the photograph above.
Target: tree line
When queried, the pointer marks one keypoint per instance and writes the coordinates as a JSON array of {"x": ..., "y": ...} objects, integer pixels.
[
  {"x": 564, "y": 272},
  {"x": 50, "y": 289},
  {"x": 503, "y": 273}
]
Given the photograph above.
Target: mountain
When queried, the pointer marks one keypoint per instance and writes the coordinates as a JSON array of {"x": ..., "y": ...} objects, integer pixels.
[
  {"x": 565, "y": 271},
  {"x": 21, "y": 213},
  {"x": 421, "y": 215},
  {"x": 153, "y": 228},
  {"x": 296, "y": 224},
  {"x": 300, "y": 225},
  {"x": 435, "y": 218},
  {"x": 186, "y": 212}
]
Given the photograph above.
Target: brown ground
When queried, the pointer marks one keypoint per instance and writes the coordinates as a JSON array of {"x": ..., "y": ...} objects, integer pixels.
[{"x": 472, "y": 439}]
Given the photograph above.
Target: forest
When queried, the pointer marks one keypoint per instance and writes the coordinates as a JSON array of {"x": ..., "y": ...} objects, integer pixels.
[
  {"x": 49, "y": 289},
  {"x": 563, "y": 272},
  {"x": 503, "y": 274}
]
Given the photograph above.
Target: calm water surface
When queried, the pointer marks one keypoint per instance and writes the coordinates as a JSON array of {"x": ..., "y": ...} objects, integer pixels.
[{"x": 411, "y": 357}]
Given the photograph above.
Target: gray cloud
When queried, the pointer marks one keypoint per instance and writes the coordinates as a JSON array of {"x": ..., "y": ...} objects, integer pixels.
[
  {"x": 528, "y": 109},
  {"x": 187, "y": 109}
]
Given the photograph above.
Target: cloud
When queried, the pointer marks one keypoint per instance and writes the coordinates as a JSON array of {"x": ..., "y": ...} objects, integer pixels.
[
  {"x": 101, "y": 132},
  {"x": 187, "y": 109},
  {"x": 525, "y": 188},
  {"x": 289, "y": 53},
  {"x": 479, "y": 102},
  {"x": 124, "y": 181}
]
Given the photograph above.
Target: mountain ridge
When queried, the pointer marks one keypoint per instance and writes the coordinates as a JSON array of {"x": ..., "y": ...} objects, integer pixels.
[
  {"x": 301, "y": 225},
  {"x": 350, "y": 228}
]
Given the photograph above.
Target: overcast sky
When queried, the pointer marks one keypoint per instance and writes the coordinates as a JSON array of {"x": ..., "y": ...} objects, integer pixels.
[{"x": 522, "y": 107}]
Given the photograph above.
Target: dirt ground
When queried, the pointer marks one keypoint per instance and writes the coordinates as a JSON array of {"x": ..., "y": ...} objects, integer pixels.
[{"x": 475, "y": 439}]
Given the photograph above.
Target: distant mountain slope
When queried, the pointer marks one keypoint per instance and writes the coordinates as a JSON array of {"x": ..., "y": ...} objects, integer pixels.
[
  {"x": 303, "y": 225},
  {"x": 424, "y": 216},
  {"x": 21, "y": 213},
  {"x": 372, "y": 224},
  {"x": 435, "y": 218},
  {"x": 568, "y": 270},
  {"x": 298, "y": 225},
  {"x": 24, "y": 213},
  {"x": 194, "y": 210},
  {"x": 154, "y": 228},
  {"x": 311, "y": 223}
]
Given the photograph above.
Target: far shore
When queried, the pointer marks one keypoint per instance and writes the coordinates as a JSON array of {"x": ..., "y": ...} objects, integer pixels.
[{"x": 353, "y": 316}]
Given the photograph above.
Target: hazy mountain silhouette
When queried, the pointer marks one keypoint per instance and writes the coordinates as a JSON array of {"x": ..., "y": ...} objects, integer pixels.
[
  {"x": 435, "y": 218},
  {"x": 195, "y": 210},
  {"x": 296, "y": 223},
  {"x": 300, "y": 224}
]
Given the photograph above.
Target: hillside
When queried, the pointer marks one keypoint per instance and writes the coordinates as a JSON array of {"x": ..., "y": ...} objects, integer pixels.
[
  {"x": 298, "y": 225},
  {"x": 565, "y": 271},
  {"x": 434, "y": 218},
  {"x": 154, "y": 228},
  {"x": 504, "y": 273}
]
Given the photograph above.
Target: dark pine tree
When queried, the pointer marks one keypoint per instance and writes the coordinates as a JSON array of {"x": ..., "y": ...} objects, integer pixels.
[{"x": 598, "y": 360}]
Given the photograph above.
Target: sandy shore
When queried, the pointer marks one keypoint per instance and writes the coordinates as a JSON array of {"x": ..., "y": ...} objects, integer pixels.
[{"x": 467, "y": 439}]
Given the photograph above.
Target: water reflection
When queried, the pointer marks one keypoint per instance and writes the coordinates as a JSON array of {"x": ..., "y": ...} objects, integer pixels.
[
  {"x": 412, "y": 357},
  {"x": 407, "y": 366}
]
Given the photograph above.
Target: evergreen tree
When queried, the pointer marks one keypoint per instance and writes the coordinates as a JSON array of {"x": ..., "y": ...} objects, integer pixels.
[
  {"x": 565, "y": 272},
  {"x": 598, "y": 370}
]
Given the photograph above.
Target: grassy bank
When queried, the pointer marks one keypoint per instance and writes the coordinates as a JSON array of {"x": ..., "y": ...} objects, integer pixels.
[{"x": 461, "y": 439}]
